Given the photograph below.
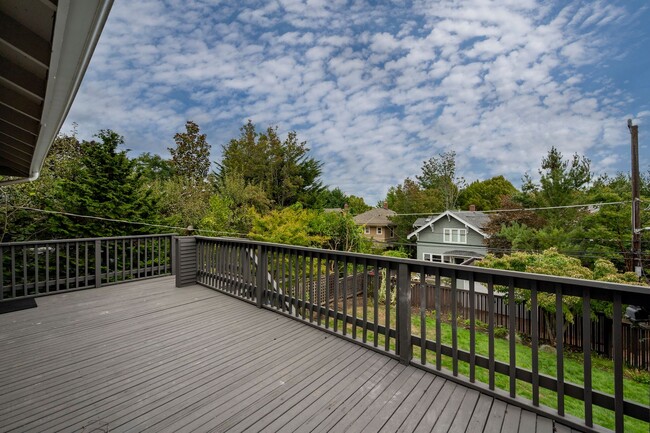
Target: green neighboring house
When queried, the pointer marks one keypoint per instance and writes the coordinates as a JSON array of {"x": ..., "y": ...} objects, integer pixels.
[{"x": 451, "y": 237}]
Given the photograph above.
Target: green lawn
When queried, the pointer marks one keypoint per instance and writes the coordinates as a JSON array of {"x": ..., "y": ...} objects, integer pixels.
[{"x": 636, "y": 384}]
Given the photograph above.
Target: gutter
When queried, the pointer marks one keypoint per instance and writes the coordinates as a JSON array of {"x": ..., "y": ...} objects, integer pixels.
[
  {"x": 31, "y": 178},
  {"x": 78, "y": 26}
]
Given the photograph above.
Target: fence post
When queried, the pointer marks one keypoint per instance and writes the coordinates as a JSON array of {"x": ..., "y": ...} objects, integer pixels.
[
  {"x": 404, "y": 348},
  {"x": 98, "y": 263},
  {"x": 261, "y": 275},
  {"x": 185, "y": 261}
]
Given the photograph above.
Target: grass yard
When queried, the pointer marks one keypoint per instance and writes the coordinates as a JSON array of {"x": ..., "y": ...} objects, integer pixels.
[{"x": 636, "y": 383}]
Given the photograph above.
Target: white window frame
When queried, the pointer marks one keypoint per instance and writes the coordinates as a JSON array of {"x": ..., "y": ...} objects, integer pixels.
[
  {"x": 391, "y": 232},
  {"x": 430, "y": 257},
  {"x": 455, "y": 236},
  {"x": 366, "y": 230},
  {"x": 379, "y": 230}
]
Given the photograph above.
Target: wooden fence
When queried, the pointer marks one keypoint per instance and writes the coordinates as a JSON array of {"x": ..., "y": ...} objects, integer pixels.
[{"x": 636, "y": 340}]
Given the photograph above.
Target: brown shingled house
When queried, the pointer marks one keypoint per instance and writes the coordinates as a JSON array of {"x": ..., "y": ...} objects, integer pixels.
[{"x": 377, "y": 224}]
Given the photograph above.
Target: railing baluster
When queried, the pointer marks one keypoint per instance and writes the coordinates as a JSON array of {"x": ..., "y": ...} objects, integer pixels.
[
  {"x": 345, "y": 295},
  {"x": 317, "y": 289},
  {"x": 535, "y": 342},
  {"x": 617, "y": 329},
  {"x": 423, "y": 317},
  {"x": 76, "y": 255},
  {"x": 512, "y": 333},
  {"x": 454, "y": 324},
  {"x": 2, "y": 273},
  {"x": 47, "y": 269},
  {"x": 490, "y": 332},
  {"x": 284, "y": 279},
  {"x": 354, "y": 298},
  {"x": 586, "y": 353},
  {"x": 472, "y": 329},
  {"x": 387, "y": 305},
  {"x": 311, "y": 287},
  {"x": 365, "y": 301},
  {"x": 123, "y": 259},
  {"x": 438, "y": 321},
  {"x": 296, "y": 290},
  {"x": 13, "y": 271},
  {"x": 327, "y": 291},
  {"x": 25, "y": 292},
  {"x": 115, "y": 261},
  {"x": 36, "y": 269},
  {"x": 58, "y": 268},
  {"x": 86, "y": 264},
  {"x": 108, "y": 261},
  {"x": 376, "y": 303},
  {"x": 559, "y": 348},
  {"x": 304, "y": 285},
  {"x": 336, "y": 293}
]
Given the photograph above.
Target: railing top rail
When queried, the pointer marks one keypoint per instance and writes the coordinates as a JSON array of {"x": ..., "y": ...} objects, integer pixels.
[
  {"x": 61, "y": 241},
  {"x": 545, "y": 283}
]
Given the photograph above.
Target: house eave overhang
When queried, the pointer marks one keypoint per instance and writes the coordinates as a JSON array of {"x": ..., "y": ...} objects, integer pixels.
[{"x": 33, "y": 109}]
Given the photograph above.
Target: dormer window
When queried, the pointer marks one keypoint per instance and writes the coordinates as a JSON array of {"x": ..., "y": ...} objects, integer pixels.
[{"x": 455, "y": 236}]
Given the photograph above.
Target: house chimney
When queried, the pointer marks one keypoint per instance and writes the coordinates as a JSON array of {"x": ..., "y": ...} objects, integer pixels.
[
  {"x": 472, "y": 208},
  {"x": 385, "y": 205}
]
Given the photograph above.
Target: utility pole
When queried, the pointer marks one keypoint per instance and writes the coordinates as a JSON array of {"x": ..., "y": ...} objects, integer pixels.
[{"x": 636, "y": 199}]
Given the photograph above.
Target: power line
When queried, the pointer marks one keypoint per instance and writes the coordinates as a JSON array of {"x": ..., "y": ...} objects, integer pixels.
[
  {"x": 125, "y": 221},
  {"x": 525, "y": 209}
]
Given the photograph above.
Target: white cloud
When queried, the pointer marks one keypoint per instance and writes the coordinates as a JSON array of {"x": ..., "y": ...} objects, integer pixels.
[{"x": 374, "y": 90}]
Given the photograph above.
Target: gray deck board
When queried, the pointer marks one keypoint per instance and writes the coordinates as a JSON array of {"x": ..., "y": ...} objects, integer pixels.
[{"x": 146, "y": 356}]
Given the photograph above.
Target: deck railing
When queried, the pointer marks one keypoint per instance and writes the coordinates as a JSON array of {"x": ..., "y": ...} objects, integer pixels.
[
  {"x": 42, "y": 267},
  {"x": 370, "y": 302}
]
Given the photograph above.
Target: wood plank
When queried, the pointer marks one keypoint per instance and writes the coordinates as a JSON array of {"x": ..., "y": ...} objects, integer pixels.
[
  {"x": 311, "y": 415},
  {"x": 146, "y": 356},
  {"x": 341, "y": 418},
  {"x": 294, "y": 373},
  {"x": 451, "y": 408},
  {"x": 411, "y": 423},
  {"x": 296, "y": 404},
  {"x": 511, "y": 419},
  {"x": 527, "y": 422},
  {"x": 434, "y": 411},
  {"x": 481, "y": 413},
  {"x": 495, "y": 417},
  {"x": 375, "y": 416},
  {"x": 465, "y": 411},
  {"x": 406, "y": 408},
  {"x": 544, "y": 425}
]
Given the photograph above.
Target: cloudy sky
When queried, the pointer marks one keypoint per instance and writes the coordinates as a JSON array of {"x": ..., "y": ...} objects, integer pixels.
[{"x": 377, "y": 87}]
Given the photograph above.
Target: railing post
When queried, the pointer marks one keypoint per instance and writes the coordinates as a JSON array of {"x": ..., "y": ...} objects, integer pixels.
[
  {"x": 185, "y": 261},
  {"x": 98, "y": 263},
  {"x": 404, "y": 348},
  {"x": 261, "y": 275}
]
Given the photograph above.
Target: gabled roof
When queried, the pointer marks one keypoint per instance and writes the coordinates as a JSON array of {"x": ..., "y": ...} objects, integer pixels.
[
  {"x": 376, "y": 217},
  {"x": 472, "y": 219},
  {"x": 45, "y": 47}
]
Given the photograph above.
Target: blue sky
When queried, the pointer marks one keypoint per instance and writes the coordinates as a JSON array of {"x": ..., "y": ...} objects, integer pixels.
[{"x": 377, "y": 87}]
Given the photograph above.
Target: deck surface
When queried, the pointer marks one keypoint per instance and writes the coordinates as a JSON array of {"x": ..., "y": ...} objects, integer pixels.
[{"x": 146, "y": 356}]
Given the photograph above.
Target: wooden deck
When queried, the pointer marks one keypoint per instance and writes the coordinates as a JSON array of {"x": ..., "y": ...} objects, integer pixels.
[{"x": 146, "y": 356}]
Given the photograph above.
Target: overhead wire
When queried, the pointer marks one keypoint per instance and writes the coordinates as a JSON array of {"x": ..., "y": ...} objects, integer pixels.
[{"x": 127, "y": 221}]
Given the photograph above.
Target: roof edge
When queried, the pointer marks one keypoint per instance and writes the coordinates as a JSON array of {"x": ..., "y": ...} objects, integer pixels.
[{"x": 78, "y": 26}]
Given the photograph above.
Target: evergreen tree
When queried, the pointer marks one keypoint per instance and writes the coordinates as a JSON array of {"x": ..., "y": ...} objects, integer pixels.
[
  {"x": 191, "y": 156},
  {"x": 103, "y": 184},
  {"x": 281, "y": 168}
]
